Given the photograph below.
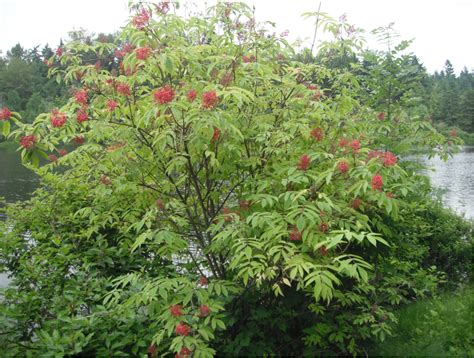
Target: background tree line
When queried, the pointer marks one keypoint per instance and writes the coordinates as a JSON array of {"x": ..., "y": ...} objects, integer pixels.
[
  {"x": 446, "y": 97},
  {"x": 24, "y": 83}
]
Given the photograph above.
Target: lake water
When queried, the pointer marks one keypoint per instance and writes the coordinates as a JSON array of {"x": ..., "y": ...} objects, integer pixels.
[{"x": 454, "y": 177}]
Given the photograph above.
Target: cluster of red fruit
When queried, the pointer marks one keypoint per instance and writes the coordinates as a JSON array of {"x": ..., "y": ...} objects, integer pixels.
[
  {"x": 316, "y": 93},
  {"x": 388, "y": 158},
  {"x": 5, "y": 114},
  {"x": 141, "y": 20},
  {"x": 58, "y": 119},
  {"x": 126, "y": 48},
  {"x": 142, "y": 53},
  {"x": 28, "y": 141},
  {"x": 166, "y": 94},
  {"x": 250, "y": 58}
]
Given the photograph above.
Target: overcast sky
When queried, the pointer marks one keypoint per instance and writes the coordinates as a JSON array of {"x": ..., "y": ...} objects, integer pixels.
[{"x": 442, "y": 29}]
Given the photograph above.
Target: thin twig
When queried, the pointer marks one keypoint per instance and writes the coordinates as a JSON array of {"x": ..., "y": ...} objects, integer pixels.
[{"x": 316, "y": 28}]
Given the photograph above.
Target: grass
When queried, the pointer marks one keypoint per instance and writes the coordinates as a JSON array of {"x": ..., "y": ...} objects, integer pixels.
[{"x": 438, "y": 327}]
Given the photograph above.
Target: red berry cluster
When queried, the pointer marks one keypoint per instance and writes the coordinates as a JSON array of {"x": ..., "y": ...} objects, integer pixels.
[
  {"x": 28, "y": 141},
  {"x": 141, "y": 19},
  {"x": 377, "y": 182},
  {"x": 343, "y": 166},
  {"x": 182, "y": 329},
  {"x": 176, "y": 310},
  {"x": 81, "y": 96},
  {"x": 164, "y": 95},
  {"x": 81, "y": 115},
  {"x": 5, "y": 114},
  {"x": 209, "y": 99},
  {"x": 295, "y": 235},
  {"x": 317, "y": 133},
  {"x": 247, "y": 59},
  {"x": 355, "y": 145},
  {"x": 123, "y": 89},
  {"x": 304, "y": 162},
  {"x": 143, "y": 53},
  {"x": 191, "y": 95},
  {"x": 111, "y": 105},
  {"x": 58, "y": 119}
]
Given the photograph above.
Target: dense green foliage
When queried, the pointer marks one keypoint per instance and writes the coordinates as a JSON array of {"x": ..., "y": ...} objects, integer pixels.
[
  {"x": 439, "y": 327},
  {"x": 220, "y": 196}
]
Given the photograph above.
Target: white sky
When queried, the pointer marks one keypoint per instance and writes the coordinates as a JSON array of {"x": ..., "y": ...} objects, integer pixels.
[{"x": 442, "y": 29}]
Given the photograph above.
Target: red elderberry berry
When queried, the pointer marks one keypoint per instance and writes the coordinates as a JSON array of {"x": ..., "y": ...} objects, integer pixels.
[
  {"x": 323, "y": 250},
  {"x": 453, "y": 133},
  {"x": 374, "y": 154},
  {"x": 191, "y": 95},
  {"x": 163, "y": 7},
  {"x": 389, "y": 159},
  {"x": 377, "y": 182},
  {"x": 164, "y": 95},
  {"x": 316, "y": 96},
  {"x": 142, "y": 53},
  {"x": 81, "y": 116},
  {"x": 28, "y": 141},
  {"x": 141, "y": 19},
  {"x": 123, "y": 89},
  {"x": 79, "y": 140},
  {"x": 323, "y": 227},
  {"x": 111, "y": 105},
  {"x": 160, "y": 204},
  {"x": 52, "y": 157},
  {"x": 62, "y": 152},
  {"x": 59, "y": 52},
  {"x": 295, "y": 235},
  {"x": 182, "y": 329},
  {"x": 304, "y": 162},
  {"x": 355, "y": 145},
  {"x": 204, "y": 311},
  {"x": 226, "y": 79},
  {"x": 244, "y": 204},
  {"x": 152, "y": 350},
  {"x": 57, "y": 118},
  {"x": 343, "y": 166},
  {"x": 5, "y": 114},
  {"x": 81, "y": 96},
  {"x": 209, "y": 99},
  {"x": 104, "y": 179},
  {"x": 356, "y": 203},
  {"x": 343, "y": 142},
  {"x": 381, "y": 116},
  {"x": 176, "y": 310},
  {"x": 183, "y": 353},
  {"x": 215, "y": 135},
  {"x": 203, "y": 281},
  {"x": 317, "y": 133}
]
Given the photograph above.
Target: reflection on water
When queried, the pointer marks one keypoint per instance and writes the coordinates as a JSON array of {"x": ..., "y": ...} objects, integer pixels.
[
  {"x": 16, "y": 183},
  {"x": 455, "y": 178}
]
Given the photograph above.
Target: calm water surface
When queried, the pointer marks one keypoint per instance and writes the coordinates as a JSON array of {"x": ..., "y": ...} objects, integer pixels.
[
  {"x": 16, "y": 183},
  {"x": 455, "y": 177}
]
